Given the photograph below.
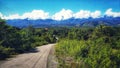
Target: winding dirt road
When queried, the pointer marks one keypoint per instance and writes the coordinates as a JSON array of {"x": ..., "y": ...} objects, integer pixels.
[{"x": 37, "y": 59}]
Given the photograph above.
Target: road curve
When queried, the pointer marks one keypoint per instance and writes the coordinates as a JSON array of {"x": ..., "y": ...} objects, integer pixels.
[{"x": 37, "y": 59}]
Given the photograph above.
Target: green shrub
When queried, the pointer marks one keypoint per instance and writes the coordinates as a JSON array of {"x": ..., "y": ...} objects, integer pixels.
[{"x": 92, "y": 54}]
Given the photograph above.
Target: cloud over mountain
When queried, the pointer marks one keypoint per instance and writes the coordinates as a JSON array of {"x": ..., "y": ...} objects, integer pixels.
[
  {"x": 14, "y": 16},
  {"x": 96, "y": 14},
  {"x": 87, "y": 14},
  {"x": 109, "y": 12},
  {"x": 61, "y": 15},
  {"x": 1, "y": 15},
  {"x": 35, "y": 14}
]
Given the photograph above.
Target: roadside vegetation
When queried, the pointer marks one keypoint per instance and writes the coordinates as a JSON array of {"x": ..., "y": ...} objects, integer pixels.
[
  {"x": 96, "y": 47},
  {"x": 90, "y": 48}
]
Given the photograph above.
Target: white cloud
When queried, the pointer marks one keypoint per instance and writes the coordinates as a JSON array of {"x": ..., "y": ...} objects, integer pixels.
[
  {"x": 82, "y": 14},
  {"x": 109, "y": 12},
  {"x": 14, "y": 16},
  {"x": 66, "y": 14},
  {"x": 63, "y": 14},
  {"x": 87, "y": 14},
  {"x": 96, "y": 14},
  {"x": 36, "y": 14},
  {"x": 1, "y": 15}
]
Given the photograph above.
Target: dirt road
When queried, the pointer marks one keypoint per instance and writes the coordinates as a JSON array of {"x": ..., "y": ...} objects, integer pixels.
[{"x": 36, "y": 59}]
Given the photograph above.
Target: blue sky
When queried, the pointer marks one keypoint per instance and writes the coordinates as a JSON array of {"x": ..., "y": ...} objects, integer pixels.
[
  {"x": 52, "y": 6},
  {"x": 8, "y": 7}
]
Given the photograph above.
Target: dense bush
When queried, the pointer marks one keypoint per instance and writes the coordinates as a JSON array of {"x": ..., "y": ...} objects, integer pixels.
[{"x": 101, "y": 49}]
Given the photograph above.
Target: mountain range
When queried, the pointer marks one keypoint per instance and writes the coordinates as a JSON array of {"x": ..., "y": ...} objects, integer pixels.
[{"x": 72, "y": 22}]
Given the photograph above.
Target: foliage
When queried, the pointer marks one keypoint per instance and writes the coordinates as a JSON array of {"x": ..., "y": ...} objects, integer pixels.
[
  {"x": 14, "y": 40},
  {"x": 101, "y": 49},
  {"x": 77, "y": 47}
]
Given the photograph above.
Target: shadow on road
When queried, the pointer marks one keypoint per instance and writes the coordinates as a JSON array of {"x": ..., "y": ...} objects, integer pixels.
[{"x": 34, "y": 50}]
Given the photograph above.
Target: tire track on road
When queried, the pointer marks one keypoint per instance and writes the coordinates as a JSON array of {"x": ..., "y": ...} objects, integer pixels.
[{"x": 38, "y": 60}]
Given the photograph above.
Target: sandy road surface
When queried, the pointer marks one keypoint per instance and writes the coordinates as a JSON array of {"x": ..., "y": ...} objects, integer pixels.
[{"x": 36, "y": 59}]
